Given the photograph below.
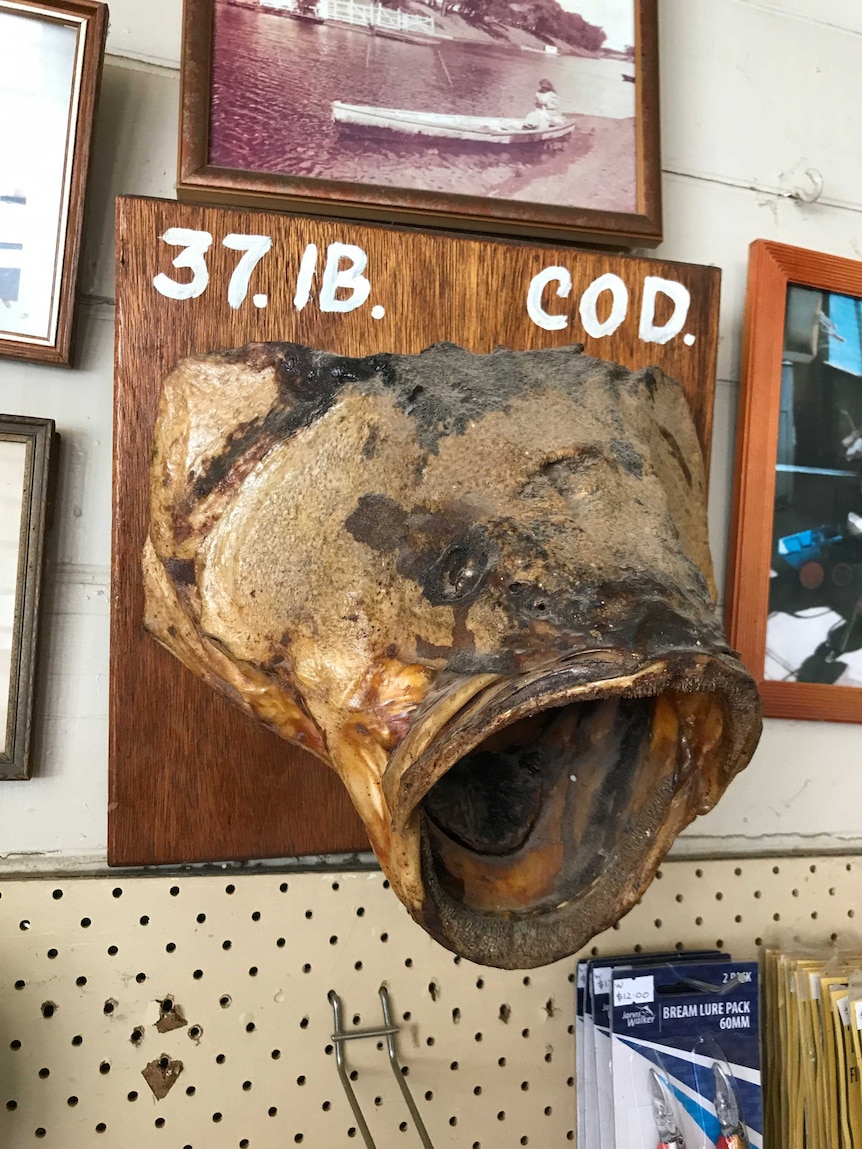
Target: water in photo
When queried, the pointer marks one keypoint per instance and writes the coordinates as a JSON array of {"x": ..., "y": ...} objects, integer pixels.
[{"x": 532, "y": 102}]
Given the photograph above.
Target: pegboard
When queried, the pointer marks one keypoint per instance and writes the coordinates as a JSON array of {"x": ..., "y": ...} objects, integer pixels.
[{"x": 213, "y": 990}]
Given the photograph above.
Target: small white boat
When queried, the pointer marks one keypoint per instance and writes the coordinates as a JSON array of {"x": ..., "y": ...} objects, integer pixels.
[{"x": 474, "y": 129}]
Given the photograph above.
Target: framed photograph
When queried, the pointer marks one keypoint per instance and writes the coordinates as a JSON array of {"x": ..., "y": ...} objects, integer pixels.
[
  {"x": 489, "y": 115},
  {"x": 50, "y": 65},
  {"x": 795, "y": 581},
  {"x": 26, "y": 447}
]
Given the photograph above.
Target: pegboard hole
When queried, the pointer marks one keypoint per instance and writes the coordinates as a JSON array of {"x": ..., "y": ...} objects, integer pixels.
[
  {"x": 217, "y": 1117},
  {"x": 57, "y": 894},
  {"x": 230, "y": 888},
  {"x": 276, "y": 1054},
  {"x": 85, "y": 924},
  {"x": 201, "y": 918},
  {"x": 100, "y": 1128},
  {"x": 220, "y": 1059},
  {"x": 15, "y": 1044},
  {"x": 174, "y": 891},
  {"x": 49, "y": 1008},
  {"x": 44, "y": 1072},
  {"x": 41, "y": 1131},
  {"x": 80, "y": 981},
  {"x": 301, "y": 1079},
  {"x": 159, "y": 1123},
  {"x": 52, "y": 953},
  {"x": 255, "y": 917},
  {"x": 117, "y": 891},
  {"x": 191, "y": 1090},
  {"x": 24, "y": 924},
  {"x": 456, "y": 1015},
  {"x": 253, "y": 971},
  {"x": 360, "y": 911},
  {"x": 144, "y": 920},
  {"x": 11, "y": 1105},
  {"x": 77, "y": 1039},
  {"x": 140, "y": 978},
  {"x": 105, "y": 1067},
  {"x": 272, "y": 1111},
  {"x": 113, "y": 951},
  {"x": 109, "y": 1007},
  {"x": 501, "y": 1116},
  {"x": 225, "y": 1001},
  {"x": 132, "y": 1095},
  {"x": 453, "y": 1120},
  {"x": 72, "y": 1101},
  {"x": 284, "y": 887},
  {"x": 164, "y": 1062},
  {"x": 226, "y": 944},
  {"x": 137, "y": 1036},
  {"x": 195, "y": 1031},
  {"x": 246, "y": 1085},
  {"x": 20, "y": 983}
]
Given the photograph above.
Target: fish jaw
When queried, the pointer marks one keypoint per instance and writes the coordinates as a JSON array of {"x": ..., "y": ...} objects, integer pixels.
[{"x": 534, "y": 815}]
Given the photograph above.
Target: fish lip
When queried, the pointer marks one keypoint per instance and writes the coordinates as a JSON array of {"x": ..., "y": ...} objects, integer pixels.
[
  {"x": 501, "y": 700},
  {"x": 538, "y": 935}
]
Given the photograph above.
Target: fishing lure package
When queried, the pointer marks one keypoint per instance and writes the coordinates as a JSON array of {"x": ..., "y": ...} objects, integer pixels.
[
  {"x": 813, "y": 1009},
  {"x": 685, "y": 1052},
  {"x": 594, "y": 1076}
]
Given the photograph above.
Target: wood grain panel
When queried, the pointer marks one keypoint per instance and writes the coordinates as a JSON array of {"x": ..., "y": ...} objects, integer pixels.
[{"x": 191, "y": 778}]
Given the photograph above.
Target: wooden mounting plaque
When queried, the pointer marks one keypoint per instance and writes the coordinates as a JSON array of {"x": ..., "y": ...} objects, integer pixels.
[{"x": 191, "y": 778}]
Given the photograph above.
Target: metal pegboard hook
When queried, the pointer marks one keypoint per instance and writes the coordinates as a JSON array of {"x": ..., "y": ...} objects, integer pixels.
[{"x": 390, "y": 1032}]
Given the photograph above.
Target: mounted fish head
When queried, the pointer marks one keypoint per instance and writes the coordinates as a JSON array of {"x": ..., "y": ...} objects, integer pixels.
[{"x": 479, "y": 587}]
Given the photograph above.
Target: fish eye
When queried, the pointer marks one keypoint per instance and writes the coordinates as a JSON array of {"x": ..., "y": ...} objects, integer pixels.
[
  {"x": 460, "y": 572},
  {"x": 462, "y": 569}
]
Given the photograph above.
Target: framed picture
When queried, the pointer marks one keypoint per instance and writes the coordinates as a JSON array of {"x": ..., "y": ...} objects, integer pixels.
[
  {"x": 25, "y": 467},
  {"x": 795, "y": 585},
  {"x": 50, "y": 65},
  {"x": 490, "y": 115}
]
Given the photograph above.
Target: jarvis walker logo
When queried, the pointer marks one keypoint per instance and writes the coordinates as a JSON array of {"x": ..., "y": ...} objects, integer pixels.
[{"x": 640, "y": 1016}]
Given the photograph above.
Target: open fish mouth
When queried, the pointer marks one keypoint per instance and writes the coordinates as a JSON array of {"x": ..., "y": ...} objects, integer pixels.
[{"x": 542, "y": 805}]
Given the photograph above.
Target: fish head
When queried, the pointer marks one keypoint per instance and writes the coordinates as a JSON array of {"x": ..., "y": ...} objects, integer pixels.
[{"x": 479, "y": 587}]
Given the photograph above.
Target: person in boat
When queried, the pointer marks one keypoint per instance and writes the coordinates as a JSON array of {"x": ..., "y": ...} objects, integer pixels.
[{"x": 546, "y": 113}]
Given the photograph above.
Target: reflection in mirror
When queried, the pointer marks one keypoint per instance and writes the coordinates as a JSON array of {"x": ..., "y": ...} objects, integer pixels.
[{"x": 814, "y": 629}]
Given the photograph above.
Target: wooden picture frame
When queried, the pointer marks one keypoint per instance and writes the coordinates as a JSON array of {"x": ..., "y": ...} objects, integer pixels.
[
  {"x": 386, "y": 182},
  {"x": 26, "y": 449},
  {"x": 795, "y": 571},
  {"x": 50, "y": 80}
]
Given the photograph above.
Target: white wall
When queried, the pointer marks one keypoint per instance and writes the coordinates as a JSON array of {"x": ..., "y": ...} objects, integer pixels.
[{"x": 753, "y": 94}]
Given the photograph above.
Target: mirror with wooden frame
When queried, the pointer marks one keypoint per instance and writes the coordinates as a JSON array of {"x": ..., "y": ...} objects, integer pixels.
[{"x": 795, "y": 583}]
